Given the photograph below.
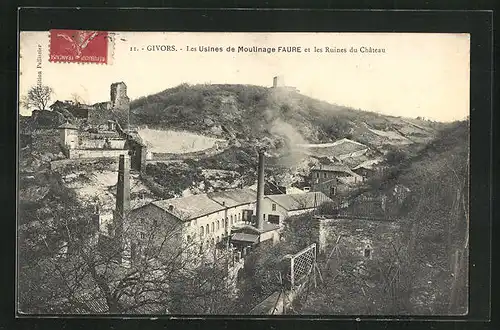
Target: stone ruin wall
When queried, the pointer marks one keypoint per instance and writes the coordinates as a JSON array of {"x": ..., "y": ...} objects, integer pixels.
[{"x": 120, "y": 103}]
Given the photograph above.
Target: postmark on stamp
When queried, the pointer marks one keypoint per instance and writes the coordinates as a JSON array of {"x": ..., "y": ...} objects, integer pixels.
[{"x": 79, "y": 46}]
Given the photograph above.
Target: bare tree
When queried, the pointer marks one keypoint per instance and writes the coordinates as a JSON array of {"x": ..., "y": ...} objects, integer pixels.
[
  {"x": 68, "y": 266},
  {"x": 38, "y": 97}
]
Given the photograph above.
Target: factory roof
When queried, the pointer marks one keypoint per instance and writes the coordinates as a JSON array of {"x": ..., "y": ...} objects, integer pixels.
[
  {"x": 295, "y": 202},
  {"x": 189, "y": 207},
  {"x": 368, "y": 164},
  {"x": 266, "y": 226},
  {"x": 234, "y": 197},
  {"x": 67, "y": 126},
  {"x": 332, "y": 168},
  {"x": 242, "y": 237}
]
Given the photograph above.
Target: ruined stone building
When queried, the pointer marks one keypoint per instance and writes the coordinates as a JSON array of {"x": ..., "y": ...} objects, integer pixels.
[
  {"x": 279, "y": 84},
  {"x": 101, "y": 130},
  {"x": 98, "y": 114}
]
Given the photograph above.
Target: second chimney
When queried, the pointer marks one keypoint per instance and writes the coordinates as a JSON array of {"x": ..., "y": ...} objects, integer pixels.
[
  {"x": 122, "y": 193},
  {"x": 122, "y": 202},
  {"x": 260, "y": 191}
]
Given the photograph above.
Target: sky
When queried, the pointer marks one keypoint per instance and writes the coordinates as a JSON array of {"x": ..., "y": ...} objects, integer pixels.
[{"x": 418, "y": 75}]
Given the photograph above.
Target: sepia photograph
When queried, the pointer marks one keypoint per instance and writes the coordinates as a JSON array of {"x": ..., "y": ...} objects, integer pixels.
[{"x": 243, "y": 173}]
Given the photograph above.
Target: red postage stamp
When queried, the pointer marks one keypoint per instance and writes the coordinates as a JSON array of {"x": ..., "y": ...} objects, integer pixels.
[{"x": 79, "y": 46}]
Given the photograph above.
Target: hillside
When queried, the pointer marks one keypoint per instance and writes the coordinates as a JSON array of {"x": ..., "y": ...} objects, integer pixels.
[
  {"x": 419, "y": 263},
  {"x": 434, "y": 225},
  {"x": 241, "y": 118},
  {"x": 249, "y": 113}
]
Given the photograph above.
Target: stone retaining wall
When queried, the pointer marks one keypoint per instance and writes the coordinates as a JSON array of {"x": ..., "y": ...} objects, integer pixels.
[{"x": 97, "y": 153}]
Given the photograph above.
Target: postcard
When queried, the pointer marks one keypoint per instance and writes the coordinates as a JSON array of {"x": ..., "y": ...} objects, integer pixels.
[{"x": 257, "y": 174}]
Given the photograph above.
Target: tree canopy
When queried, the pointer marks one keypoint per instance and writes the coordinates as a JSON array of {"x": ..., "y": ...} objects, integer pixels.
[{"x": 37, "y": 97}]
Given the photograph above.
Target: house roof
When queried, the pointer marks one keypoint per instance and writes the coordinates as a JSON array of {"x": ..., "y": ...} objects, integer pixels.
[
  {"x": 243, "y": 237},
  {"x": 266, "y": 226},
  {"x": 67, "y": 126},
  {"x": 234, "y": 197},
  {"x": 294, "y": 190},
  {"x": 56, "y": 103},
  {"x": 332, "y": 168},
  {"x": 189, "y": 207},
  {"x": 335, "y": 149},
  {"x": 336, "y": 168},
  {"x": 295, "y": 202},
  {"x": 368, "y": 164}
]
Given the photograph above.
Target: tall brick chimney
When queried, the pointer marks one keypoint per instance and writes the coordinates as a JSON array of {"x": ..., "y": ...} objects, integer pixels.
[
  {"x": 260, "y": 190},
  {"x": 122, "y": 196}
]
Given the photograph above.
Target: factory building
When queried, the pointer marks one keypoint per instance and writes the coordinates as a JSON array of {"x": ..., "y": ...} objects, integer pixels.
[{"x": 276, "y": 208}]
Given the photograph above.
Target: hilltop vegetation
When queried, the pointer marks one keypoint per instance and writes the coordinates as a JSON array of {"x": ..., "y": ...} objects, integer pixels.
[
  {"x": 247, "y": 112},
  {"x": 250, "y": 116}
]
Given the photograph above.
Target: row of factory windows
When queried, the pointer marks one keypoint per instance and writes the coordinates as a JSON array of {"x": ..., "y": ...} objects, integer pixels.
[
  {"x": 219, "y": 224},
  {"x": 325, "y": 175},
  {"x": 209, "y": 228}
]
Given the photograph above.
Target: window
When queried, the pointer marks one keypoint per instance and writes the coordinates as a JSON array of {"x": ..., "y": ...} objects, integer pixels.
[
  {"x": 201, "y": 231},
  {"x": 324, "y": 175},
  {"x": 218, "y": 225},
  {"x": 274, "y": 219},
  {"x": 317, "y": 174},
  {"x": 222, "y": 222},
  {"x": 207, "y": 229},
  {"x": 225, "y": 222},
  {"x": 264, "y": 217},
  {"x": 239, "y": 216},
  {"x": 232, "y": 219},
  {"x": 273, "y": 207},
  {"x": 213, "y": 227}
]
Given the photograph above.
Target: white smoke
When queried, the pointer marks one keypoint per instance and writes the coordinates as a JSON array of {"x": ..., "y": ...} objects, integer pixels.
[{"x": 291, "y": 154}]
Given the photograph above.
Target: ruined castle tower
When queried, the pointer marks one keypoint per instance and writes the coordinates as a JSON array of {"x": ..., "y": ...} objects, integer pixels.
[
  {"x": 120, "y": 103},
  {"x": 278, "y": 81}
]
